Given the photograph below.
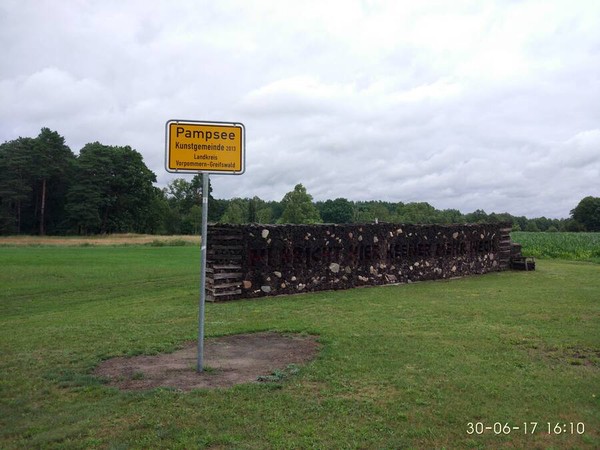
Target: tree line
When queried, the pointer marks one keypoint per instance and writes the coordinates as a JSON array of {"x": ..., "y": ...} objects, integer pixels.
[{"x": 46, "y": 189}]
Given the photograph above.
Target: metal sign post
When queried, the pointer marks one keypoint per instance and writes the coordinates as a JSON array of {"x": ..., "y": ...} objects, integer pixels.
[
  {"x": 203, "y": 243},
  {"x": 204, "y": 147}
]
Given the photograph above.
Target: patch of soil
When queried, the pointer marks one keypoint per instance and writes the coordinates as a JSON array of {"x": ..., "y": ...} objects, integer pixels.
[{"x": 228, "y": 361}]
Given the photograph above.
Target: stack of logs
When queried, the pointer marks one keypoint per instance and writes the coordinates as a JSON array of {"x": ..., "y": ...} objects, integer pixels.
[
  {"x": 253, "y": 260},
  {"x": 518, "y": 261}
]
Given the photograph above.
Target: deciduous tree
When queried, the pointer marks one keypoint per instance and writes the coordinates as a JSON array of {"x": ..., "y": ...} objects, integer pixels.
[
  {"x": 587, "y": 213},
  {"x": 298, "y": 207},
  {"x": 236, "y": 212},
  {"x": 112, "y": 190},
  {"x": 339, "y": 210}
]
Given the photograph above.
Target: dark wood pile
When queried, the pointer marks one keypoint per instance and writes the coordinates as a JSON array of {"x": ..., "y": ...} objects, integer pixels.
[
  {"x": 518, "y": 261},
  {"x": 258, "y": 260}
]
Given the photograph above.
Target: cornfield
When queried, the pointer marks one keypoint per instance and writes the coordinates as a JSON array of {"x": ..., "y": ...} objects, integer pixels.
[{"x": 573, "y": 246}]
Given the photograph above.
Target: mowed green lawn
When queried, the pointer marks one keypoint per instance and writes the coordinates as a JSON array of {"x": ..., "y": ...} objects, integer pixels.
[{"x": 401, "y": 366}]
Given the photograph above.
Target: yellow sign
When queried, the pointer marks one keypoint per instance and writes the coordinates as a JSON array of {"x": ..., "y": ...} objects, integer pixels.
[{"x": 210, "y": 147}]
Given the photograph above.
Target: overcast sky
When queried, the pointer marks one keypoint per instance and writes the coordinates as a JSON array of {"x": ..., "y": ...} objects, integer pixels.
[{"x": 490, "y": 105}]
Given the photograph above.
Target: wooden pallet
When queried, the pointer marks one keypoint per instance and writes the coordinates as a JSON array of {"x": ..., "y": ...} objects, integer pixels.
[{"x": 224, "y": 273}]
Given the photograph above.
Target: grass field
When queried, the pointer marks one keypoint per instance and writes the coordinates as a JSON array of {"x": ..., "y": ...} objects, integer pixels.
[
  {"x": 401, "y": 366},
  {"x": 99, "y": 240}
]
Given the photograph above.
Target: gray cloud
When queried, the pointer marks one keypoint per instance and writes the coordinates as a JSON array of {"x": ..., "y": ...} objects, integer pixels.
[{"x": 468, "y": 105}]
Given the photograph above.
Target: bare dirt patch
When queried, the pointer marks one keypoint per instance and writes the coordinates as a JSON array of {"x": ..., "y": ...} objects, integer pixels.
[{"x": 228, "y": 360}]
